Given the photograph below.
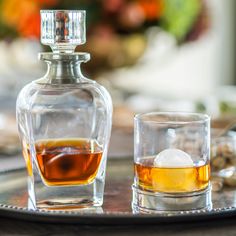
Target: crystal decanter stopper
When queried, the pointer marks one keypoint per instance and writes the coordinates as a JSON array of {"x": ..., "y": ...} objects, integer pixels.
[{"x": 64, "y": 121}]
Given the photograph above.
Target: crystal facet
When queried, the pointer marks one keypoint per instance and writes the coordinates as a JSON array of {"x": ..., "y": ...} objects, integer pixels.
[{"x": 63, "y": 30}]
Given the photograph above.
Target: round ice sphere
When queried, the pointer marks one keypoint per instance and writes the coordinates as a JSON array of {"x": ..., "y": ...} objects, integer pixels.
[{"x": 173, "y": 158}]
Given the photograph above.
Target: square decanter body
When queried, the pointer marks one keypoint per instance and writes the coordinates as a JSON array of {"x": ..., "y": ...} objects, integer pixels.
[{"x": 64, "y": 131}]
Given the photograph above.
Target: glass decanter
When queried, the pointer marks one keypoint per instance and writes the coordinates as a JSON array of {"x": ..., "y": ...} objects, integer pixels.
[{"x": 64, "y": 121}]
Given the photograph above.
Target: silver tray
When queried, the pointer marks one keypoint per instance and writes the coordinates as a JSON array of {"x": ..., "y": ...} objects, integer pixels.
[{"x": 117, "y": 204}]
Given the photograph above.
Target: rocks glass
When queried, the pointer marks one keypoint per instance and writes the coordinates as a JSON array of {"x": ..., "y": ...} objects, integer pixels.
[{"x": 171, "y": 162}]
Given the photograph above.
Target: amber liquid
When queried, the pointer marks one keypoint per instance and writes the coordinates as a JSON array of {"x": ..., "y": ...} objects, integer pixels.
[
  {"x": 26, "y": 155},
  {"x": 171, "y": 180},
  {"x": 69, "y": 161}
]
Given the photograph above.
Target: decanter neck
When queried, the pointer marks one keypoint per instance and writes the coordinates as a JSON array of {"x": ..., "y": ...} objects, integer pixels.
[
  {"x": 62, "y": 72},
  {"x": 64, "y": 68}
]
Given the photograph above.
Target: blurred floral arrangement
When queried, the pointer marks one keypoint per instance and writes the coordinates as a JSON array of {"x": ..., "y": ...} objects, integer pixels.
[{"x": 116, "y": 28}]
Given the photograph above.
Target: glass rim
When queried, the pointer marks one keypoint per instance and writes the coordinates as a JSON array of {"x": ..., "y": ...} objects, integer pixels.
[{"x": 202, "y": 118}]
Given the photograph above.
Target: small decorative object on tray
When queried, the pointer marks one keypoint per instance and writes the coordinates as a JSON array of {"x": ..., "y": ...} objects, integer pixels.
[
  {"x": 223, "y": 153},
  {"x": 223, "y": 160}
]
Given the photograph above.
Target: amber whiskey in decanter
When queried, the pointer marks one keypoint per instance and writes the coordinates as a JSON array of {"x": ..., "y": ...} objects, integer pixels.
[{"x": 59, "y": 159}]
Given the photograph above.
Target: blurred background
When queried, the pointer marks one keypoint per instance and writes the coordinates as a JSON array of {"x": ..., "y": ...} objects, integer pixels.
[{"x": 152, "y": 55}]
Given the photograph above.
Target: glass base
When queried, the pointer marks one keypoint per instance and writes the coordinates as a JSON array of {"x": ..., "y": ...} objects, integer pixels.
[
  {"x": 157, "y": 202},
  {"x": 65, "y": 197}
]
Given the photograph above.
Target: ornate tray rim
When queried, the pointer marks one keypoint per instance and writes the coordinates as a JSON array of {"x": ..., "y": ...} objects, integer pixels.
[{"x": 109, "y": 218}]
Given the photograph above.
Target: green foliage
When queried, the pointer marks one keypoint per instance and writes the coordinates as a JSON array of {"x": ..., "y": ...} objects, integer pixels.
[
  {"x": 7, "y": 32},
  {"x": 179, "y": 16},
  {"x": 227, "y": 107},
  {"x": 200, "y": 107}
]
